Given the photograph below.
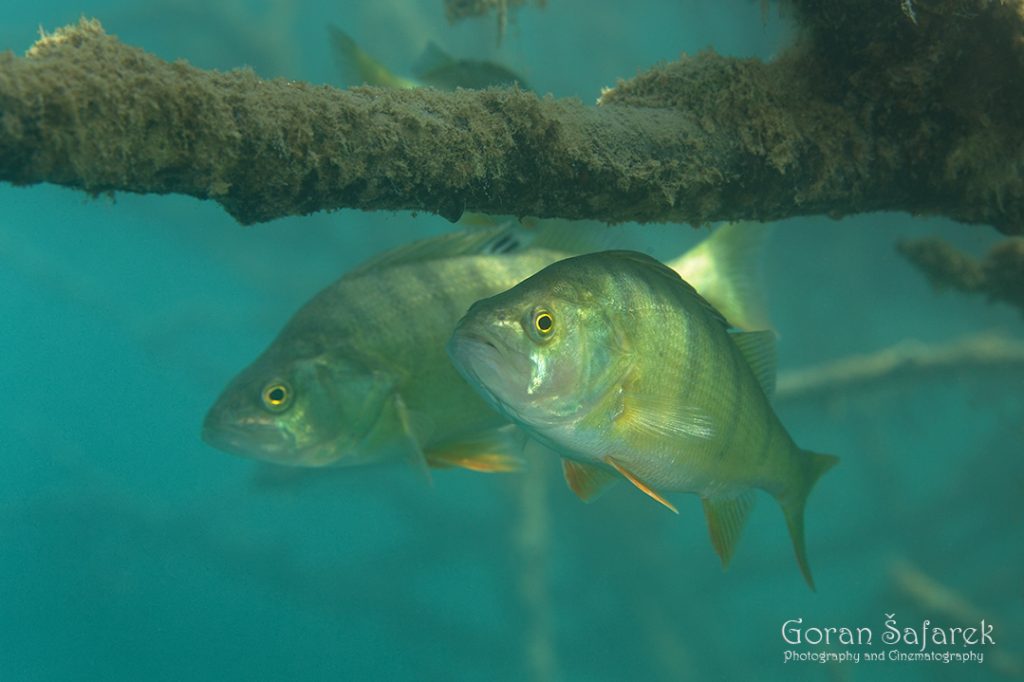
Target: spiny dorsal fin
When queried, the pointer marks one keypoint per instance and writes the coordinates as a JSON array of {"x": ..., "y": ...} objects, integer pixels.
[
  {"x": 501, "y": 239},
  {"x": 432, "y": 59},
  {"x": 726, "y": 517},
  {"x": 646, "y": 489},
  {"x": 358, "y": 67},
  {"x": 587, "y": 480},
  {"x": 758, "y": 349},
  {"x": 570, "y": 236},
  {"x": 726, "y": 268}
]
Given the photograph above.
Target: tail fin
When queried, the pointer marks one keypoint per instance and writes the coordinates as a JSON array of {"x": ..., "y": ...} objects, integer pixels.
[
  {"x": 793, "y": 503},
  {"x": 726, "y": 269}
]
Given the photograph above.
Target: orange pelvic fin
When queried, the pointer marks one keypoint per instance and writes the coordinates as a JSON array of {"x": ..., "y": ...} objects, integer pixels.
[{"x": 639, "y": 484}]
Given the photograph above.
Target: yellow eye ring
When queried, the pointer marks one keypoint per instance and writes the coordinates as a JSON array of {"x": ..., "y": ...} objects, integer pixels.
[
  {"x": 276, "y": 396},
  {"x": 543, "y": 322}
]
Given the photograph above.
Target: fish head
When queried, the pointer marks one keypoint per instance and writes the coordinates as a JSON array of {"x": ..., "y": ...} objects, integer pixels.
[
  {"x": 540, "y": 353},
  {"x": 307, "y": 412}
]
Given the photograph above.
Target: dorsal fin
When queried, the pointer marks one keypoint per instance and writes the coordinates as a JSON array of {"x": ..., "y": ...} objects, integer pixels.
[
  {"x": 569, "y": 236},
  {"x": 359, "y": 68},
  {"x": 758, "y": 349},
  {"x": 726, "y": 268},
  {"x": 432, "y": 59},
  {"x": 502, "y": 239}
]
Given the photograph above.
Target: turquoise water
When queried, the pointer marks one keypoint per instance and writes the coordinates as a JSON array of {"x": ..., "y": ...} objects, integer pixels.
[{"x": 130, "y": 550}]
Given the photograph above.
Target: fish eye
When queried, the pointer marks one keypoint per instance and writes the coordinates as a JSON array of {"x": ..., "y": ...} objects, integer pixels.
[
  {"x": 276, "y": 396},
  {"x": 543, "y": 322}
]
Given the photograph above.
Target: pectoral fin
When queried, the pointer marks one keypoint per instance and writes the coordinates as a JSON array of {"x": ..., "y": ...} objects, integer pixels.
[
  {"x": 587, "y": 480},
  {"x": 648, "y": 490},
  {"x": 660, "y": 418},
  {"x": 726, "y": 517},
  {"x": 412, "y": 430},
  {"x": 490, "y": 452}
]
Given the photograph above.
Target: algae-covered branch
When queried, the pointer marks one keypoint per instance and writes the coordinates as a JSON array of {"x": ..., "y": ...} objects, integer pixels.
[{"x": 871, "y": 109}]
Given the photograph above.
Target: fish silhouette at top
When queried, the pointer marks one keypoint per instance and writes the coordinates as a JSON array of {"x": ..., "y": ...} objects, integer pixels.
[
  {"x": 360, "y": 375},
  {"x": 617, "y": 364},
  {"x": 435, "y": 68}
]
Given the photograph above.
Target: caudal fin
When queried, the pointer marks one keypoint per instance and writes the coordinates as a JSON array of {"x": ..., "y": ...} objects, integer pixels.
[{"x": 793, "y": 504}]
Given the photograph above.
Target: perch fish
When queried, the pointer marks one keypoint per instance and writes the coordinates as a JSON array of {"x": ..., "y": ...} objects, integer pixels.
[
  {"x": 360, "y": 375},
  {"x": 616, "y": 363},
  {"x": 435, "y": 68}
]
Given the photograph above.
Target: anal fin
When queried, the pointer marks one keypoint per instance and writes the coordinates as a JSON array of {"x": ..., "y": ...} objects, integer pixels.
[
  {"x": 726, "y": 517},
  {"x": 587, "y": 480},
  {"x": 632, "y": 478}
]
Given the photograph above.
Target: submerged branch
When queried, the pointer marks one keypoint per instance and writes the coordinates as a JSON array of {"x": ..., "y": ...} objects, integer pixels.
[
  {"x": 909, "y": 360},
  {"x": 856, "y": 117},
  {"x": 999, "y": 276}
]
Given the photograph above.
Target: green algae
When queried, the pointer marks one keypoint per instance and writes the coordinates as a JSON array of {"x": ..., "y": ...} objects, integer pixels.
[{"x": 867, "y": 111}]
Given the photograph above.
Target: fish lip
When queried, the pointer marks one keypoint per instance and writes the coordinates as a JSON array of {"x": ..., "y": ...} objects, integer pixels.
[
  {"x": 462, "y": 344},
  {"x": 249, "y": 441},
  {"x": 471, "y": 352},
  {"x": 461, "y": 337}
]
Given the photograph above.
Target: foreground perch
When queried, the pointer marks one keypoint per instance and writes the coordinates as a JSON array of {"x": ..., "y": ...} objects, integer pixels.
[{"x": 869, "y": 111}]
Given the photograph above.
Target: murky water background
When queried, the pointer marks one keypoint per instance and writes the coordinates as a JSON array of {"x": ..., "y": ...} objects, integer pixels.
[{"x": 131, "y": 550}]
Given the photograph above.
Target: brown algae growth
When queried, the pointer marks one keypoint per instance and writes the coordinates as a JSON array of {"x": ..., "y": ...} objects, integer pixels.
[{"x": 867, "y": 111}]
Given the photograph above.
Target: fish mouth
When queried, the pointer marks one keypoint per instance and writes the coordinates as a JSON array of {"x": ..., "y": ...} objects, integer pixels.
[
  {"x": 470, "y": 352},
  {"x": 489, "y": 368},
  {"x": 254, "y": 440}
]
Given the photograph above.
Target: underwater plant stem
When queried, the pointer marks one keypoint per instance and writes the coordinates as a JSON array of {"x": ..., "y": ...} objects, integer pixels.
[
  {"x": 704, "y": 139},
  {"x": 533, "y": 541}
]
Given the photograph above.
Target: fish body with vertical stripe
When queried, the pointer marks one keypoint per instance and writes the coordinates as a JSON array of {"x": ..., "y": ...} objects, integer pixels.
[
  {"x": 616, "y": 363},
  {"x": 359, "y": 374}
]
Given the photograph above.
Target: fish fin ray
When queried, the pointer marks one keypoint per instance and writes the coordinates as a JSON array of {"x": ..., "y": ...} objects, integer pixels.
[
  {"x": 413, "y": 428},
  {"x": 358, "y": 67},
  {"x": 500, "y": 239},
  {"x": 491, "y": 452},
  {"x": 727, "y": 269},
  {"x": 646, "y": 489},
  {"x": 726, "y": 517},
  {"x": 432, "y": 59},
  {"x": 758, "y": 349},
  {"x": 656, "y": 416},
  {"x": 569, "y": 236},
  {"x": 793, "y": 503},
  {"x": 588, "y": 481}
]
